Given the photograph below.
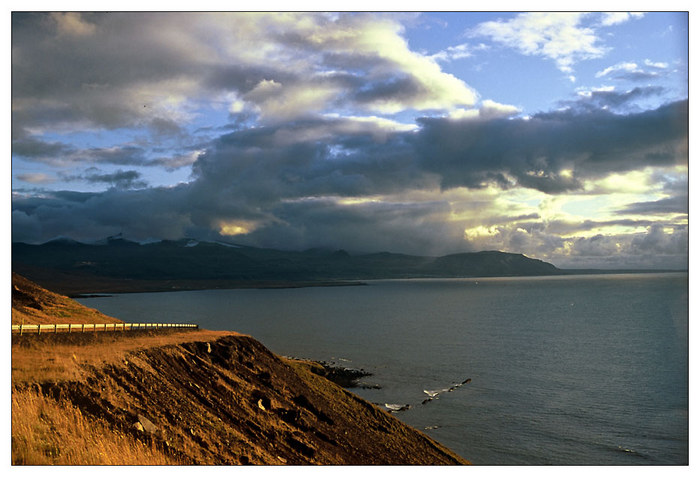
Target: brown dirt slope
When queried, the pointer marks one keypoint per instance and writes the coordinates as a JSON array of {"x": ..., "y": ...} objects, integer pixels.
[{"x": 32, "y": 304}]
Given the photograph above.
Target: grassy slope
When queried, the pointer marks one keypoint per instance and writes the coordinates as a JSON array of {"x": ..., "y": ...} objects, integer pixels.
[
  {"x": 197, "y": 397},
  {"x": 32, "y": 304}
]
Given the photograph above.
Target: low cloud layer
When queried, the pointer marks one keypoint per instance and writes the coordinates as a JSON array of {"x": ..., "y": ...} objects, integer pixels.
[{"x": 311, "y": 183}]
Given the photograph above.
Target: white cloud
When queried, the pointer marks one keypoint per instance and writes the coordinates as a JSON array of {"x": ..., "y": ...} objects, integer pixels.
[
  {"x": 614, "y": 18},
  {"x": 629, "y": 70},
  {"x": 488, "y": 110},
  {"x": 558, "y": 36},
  {"x": 627, "y": 66},
  {"x": 462, "y": 113},
  {"x": 275, "y": 101},
  {"x": 434, "y": 89},
  {"x": 491, "y": 110},
  {"x": 377, "y": 125},
  {"x": 656, "y": 64},
  {"x": 454, "y": 53}
]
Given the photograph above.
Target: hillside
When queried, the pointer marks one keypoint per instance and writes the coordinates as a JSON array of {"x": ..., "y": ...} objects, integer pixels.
[
  {"x": 118, "y": 265},
  {"x": 197, "y": 397},
  {"x": 32, "y": 304}
]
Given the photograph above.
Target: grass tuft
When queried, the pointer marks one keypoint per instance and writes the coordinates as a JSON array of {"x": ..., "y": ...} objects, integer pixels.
[{"x": 47, "y": 432}]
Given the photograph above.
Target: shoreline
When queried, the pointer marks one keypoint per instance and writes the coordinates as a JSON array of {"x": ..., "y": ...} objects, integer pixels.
[
  {"x": 105, "y": 289},
  {"x": 233, "y": 402},
  {"x": 101, "y": 287}
]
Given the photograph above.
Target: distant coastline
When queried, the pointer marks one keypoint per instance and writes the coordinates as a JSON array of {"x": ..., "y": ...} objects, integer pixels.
[
  {"x": 121, "y": 266},
  {"x": 155, "y": 286},
  {"x": 158, "y": 286},
  {"x": 594, "y": 271}
]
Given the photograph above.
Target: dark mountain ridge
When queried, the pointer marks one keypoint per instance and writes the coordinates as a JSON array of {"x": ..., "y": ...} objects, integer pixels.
[{"x": 76, "y": 267}]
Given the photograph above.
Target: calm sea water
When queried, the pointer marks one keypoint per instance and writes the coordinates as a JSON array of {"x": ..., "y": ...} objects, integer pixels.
[{"x": 564, "y": 370}]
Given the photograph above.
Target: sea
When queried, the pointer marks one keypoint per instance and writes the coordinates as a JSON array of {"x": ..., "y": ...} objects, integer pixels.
[{"x": 565, "y": 370}]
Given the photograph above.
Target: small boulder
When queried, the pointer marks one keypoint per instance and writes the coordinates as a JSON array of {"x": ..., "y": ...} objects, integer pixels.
[{"x": 143, "y": 424}]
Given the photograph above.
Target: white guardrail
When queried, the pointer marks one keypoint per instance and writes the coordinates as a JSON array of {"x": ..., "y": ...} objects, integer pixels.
[{"x": 84, "y": 328}]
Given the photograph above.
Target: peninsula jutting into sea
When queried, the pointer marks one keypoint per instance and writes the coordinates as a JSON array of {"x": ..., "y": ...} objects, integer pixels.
[{"x": 197, "y": 397}]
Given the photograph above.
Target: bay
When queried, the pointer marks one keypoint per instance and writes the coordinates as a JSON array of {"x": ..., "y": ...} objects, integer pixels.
[{"x": 572, "y": 370}]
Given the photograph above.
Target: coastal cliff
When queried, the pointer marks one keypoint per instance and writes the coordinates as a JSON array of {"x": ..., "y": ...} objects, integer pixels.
[{"x": 197, "y": 397}]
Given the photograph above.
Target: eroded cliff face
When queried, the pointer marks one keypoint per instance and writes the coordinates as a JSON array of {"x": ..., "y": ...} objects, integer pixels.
[{"x": 232, "y": 401}]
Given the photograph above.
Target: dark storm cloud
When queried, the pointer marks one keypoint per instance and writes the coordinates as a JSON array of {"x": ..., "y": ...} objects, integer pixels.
[
  {"x": 621, "y": 101},
  {"x": 119, "y": 179},
  {"x": 391, "y": 88},
  {"x": 656, "y": 241},
  {"x": 651, "y": 249},
  {"x": 671, "y": 205},
  {"x": 138, "y": 214},
  {"x": 309, "y": 158},
  {"x": 535, "y": 151},
  {"x": 327, "y": 157},
  {"x": 119, "y": 50},
  {"x": 59, "y": 153},
  {"x": 165, "y": 127},
  {"x": 275, "y": 176},
  {"x": 127, "y": 155},
  {"x": 260, "y": 169},
  {"x": 243, "y": 78},
  {"x": 32, "y": 148},
  {"x": 174, "y": 162},
  {"x": 367, "y": 227},
  {"x": 62, "y": 74}
]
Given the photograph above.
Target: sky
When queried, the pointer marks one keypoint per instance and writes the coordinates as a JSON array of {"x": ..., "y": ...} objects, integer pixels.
[{"x": 559, "y": 135}]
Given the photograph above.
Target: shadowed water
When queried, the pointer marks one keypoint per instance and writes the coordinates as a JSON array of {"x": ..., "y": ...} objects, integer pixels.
[{"x": 564, "y": 370}]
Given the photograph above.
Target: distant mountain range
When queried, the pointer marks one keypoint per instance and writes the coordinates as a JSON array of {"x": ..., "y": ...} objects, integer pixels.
[{"x": 115, "y": 264}]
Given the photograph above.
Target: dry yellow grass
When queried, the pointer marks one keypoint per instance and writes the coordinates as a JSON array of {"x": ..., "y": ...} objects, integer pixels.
[
  {"x": 46, "y": 432},
  {"x": 50, "y": 432},
  {"x": 208, "y": 401},
  {"x": 32, "y": 304},
  {"x": 53, "y": 358}
]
